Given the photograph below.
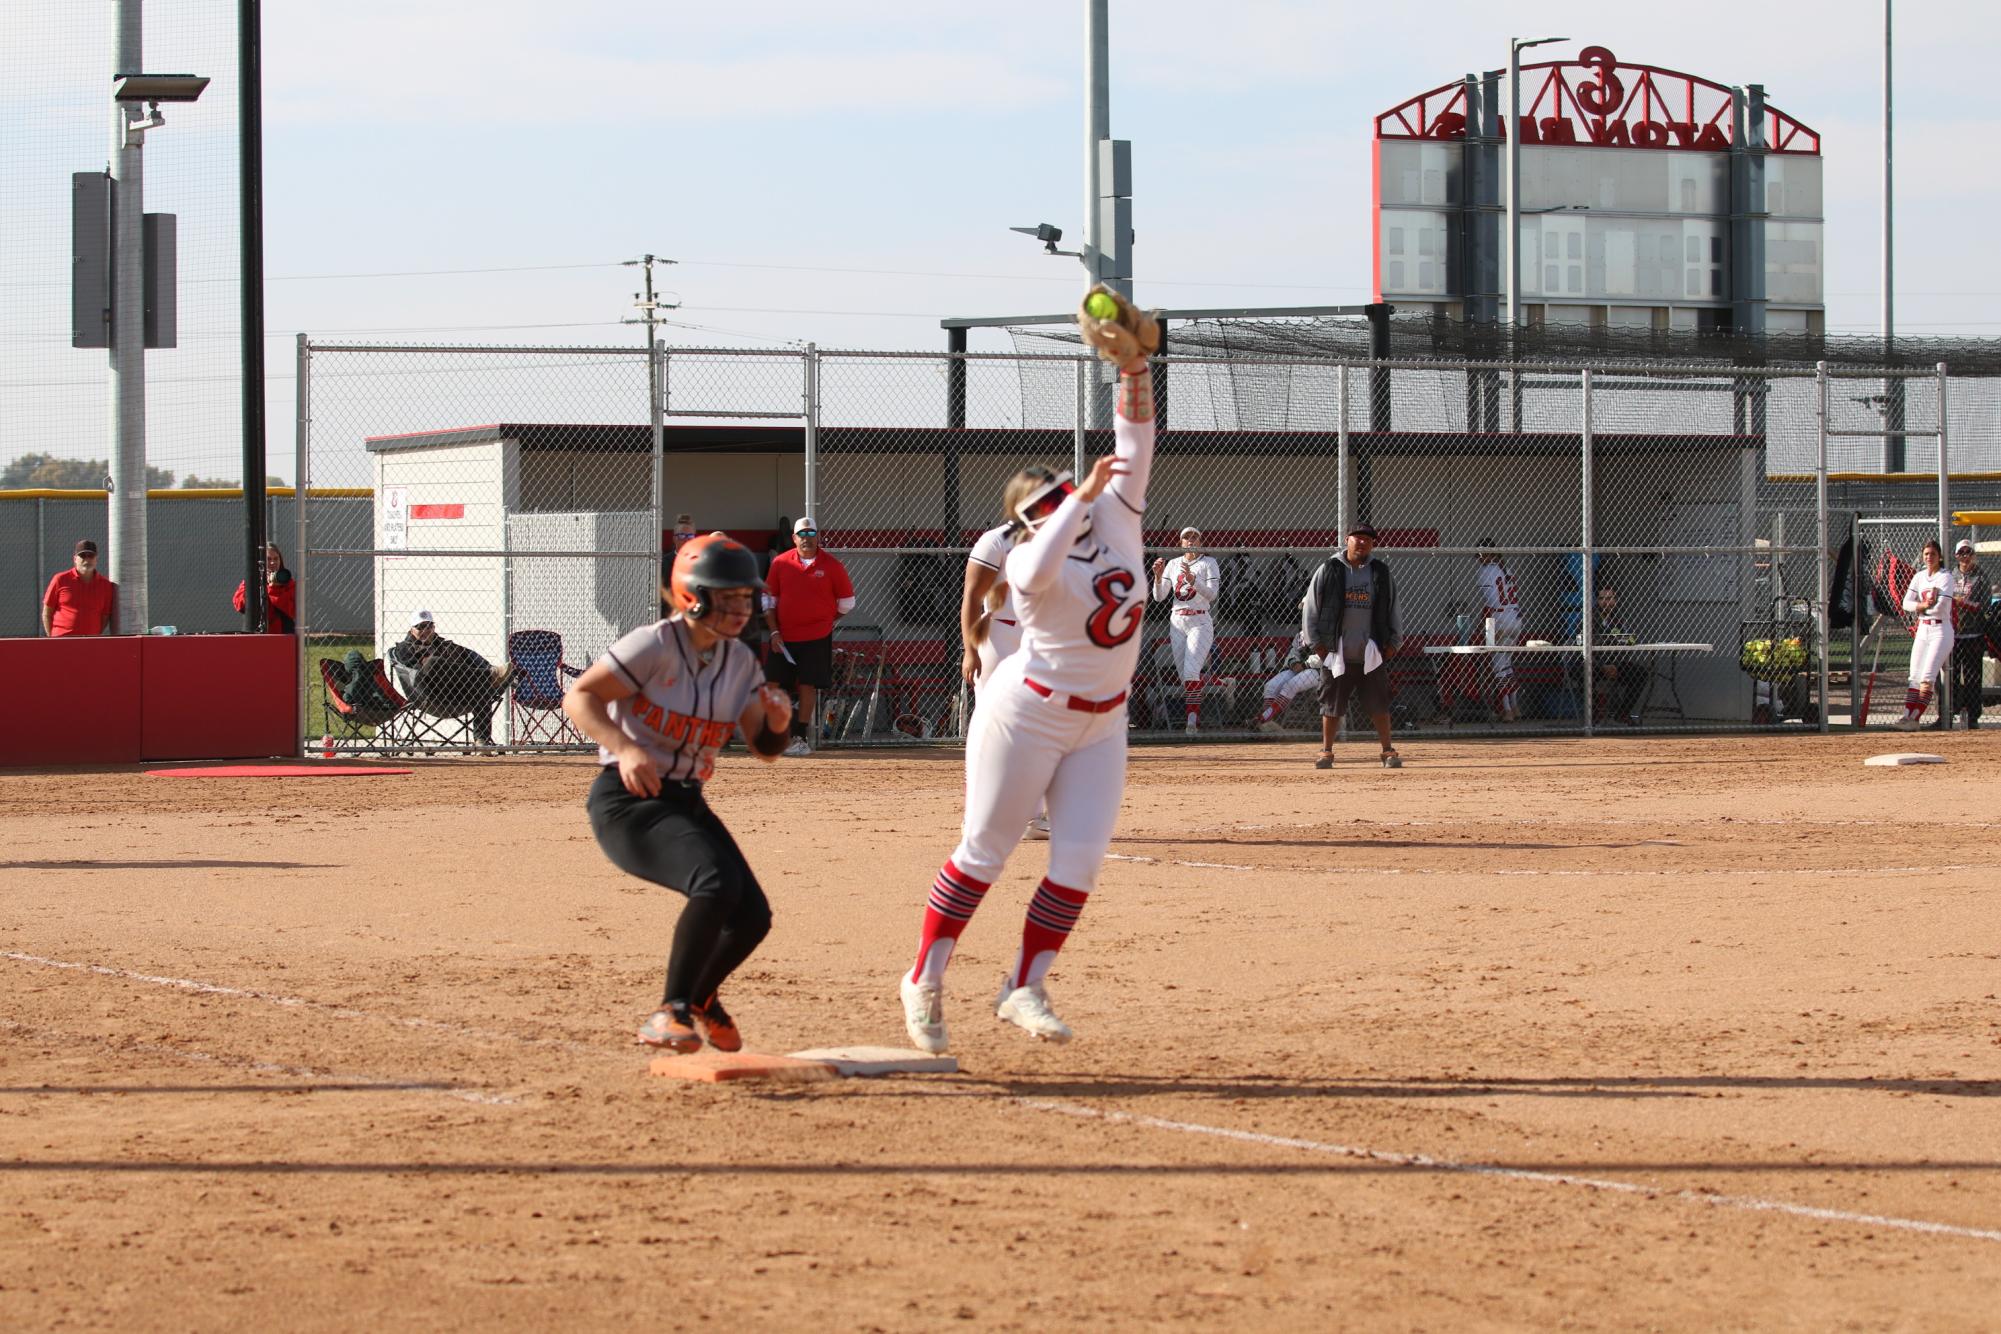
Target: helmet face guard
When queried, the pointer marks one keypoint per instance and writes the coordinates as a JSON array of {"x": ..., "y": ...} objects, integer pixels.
[
  {"x": 705, "y": 565},
  {"x": 1039, "y": 504}
]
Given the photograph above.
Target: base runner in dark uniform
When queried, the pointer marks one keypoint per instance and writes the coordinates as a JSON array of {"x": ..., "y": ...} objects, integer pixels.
[{"x": 660, "y": 703}]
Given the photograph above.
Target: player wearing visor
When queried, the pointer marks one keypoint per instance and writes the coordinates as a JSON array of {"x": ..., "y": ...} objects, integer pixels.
[{"x": 1051, "y": 720}]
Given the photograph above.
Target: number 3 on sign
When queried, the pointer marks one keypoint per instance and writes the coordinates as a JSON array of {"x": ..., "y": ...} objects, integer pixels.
[{"x": 1111, "y": 589}]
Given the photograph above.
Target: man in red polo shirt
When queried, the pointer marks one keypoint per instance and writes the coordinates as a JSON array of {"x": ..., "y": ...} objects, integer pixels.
[
  {"x": 80, "y": 601},
  {"x": 806, "y": 591}
]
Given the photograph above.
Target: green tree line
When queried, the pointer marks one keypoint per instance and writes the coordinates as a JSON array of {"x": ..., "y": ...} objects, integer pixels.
[{"x": 47, "y": 472}]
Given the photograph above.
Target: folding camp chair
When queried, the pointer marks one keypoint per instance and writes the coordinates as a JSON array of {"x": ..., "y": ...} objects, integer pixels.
[
  {"x": 535, "y": 712},
  {"x": 343, "y": 720},
  {"x": 420, "y": 726}
]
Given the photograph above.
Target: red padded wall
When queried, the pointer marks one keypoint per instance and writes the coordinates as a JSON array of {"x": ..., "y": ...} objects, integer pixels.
[
  {"x": 73, "y": 700},
  {"x": 219, "y": 697},
  {"x": 122, "y": 699}
]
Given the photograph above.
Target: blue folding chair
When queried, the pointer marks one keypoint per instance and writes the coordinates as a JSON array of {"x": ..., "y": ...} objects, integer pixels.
[{"x": 535, "y": 711}]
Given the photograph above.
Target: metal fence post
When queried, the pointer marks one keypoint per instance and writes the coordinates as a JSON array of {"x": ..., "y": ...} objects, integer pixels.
[
  {"x": 1820, "y": 576},
  {"x": 812, "y": 405},
  {"x": 302, "y": 418},
  {"x": 1086, "y": 372},
  {"x": 656, "y": 415},
  {"x": 41, "y": 542},
  {"x": 1944, "y": 467},
  {"x": 1586, "y": 583},
  {"x": 1948, "y": 706},
  {"x": 1343, "y": 502}
]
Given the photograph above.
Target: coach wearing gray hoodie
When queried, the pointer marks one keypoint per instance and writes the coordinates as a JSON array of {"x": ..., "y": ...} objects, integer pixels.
[{"x": 1349, "y": 615}]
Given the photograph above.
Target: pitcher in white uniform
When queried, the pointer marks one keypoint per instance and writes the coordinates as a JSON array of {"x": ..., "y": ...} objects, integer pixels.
[
  {"x": 1929, "y": 596},
  {"x": 1051, "y": 720},
  {"x": 1191, "y": 583},
  {"x": 1503, "y": 612}
]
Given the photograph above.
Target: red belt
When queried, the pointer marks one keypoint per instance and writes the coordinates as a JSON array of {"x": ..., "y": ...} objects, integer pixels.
[
  {"x": 1074, "y": 702},
  {"x": 1190, "y": 611},
  {"x": 1931, "y": 620},
  {"x": 1003, "y": 620}
]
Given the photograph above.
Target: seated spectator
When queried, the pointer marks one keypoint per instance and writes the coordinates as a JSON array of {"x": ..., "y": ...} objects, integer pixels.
[
  {"x": 281, "y": 595},
  {"x": 1622, "y": 676},
  {"x": 1299, "y": 673},
  {"x": 447, "y": 680},
  {"x": 79, "y": 600},
  {"x": 355, "y": 680},
  {"x": 684, "y": 530}
]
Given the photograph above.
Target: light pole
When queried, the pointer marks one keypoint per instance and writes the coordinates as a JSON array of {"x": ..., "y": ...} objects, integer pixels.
[
  {"x": 1516, "y": 45},
  {"x": 130, "y": 92}
]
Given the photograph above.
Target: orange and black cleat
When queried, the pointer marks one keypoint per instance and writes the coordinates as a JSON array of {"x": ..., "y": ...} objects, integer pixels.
[
  {"x": 671, "y": 1027},
  {"x": 717, "y": 1026}
]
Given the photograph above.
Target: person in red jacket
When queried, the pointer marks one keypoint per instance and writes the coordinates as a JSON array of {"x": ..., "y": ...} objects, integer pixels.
[
  {"x": 279, "y": 591},
  {"x": 80, "y": 601},
  {"x": 806, "y": 591}
]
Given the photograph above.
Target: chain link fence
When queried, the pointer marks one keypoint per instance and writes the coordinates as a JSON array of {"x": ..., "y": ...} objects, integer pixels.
[{"x": 1661, "y": 533}]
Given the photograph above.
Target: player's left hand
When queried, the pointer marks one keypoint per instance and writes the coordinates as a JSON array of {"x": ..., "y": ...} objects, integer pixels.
[
  {"x": 1101, "y": 475},
  {"x": 777, "y": 708},
  {"x": 969, "y": 665}
]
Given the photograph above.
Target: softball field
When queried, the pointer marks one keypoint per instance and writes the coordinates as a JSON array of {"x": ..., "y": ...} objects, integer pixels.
[{"x": 1680, "y": 1033}]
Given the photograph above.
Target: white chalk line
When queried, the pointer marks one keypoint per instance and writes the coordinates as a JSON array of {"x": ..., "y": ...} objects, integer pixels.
[
  {"x": 438, "y": 1087},
  {"x": 1155, "y": 861},
  {"x": 1750, "y": 1203},
  {"x": 1535, "y": 871},
  {"x": 1803, "y": 821},
  {"x": 300, "y": 1002}
]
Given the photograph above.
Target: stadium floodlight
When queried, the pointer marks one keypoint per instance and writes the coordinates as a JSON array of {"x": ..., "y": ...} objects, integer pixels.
[{"x": 157, "y": 87}]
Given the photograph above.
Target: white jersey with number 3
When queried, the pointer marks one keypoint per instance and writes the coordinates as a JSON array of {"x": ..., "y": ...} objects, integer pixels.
[{"x": 1080, "y": 581}]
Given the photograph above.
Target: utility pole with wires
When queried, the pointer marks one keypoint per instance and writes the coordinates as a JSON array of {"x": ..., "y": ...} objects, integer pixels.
[{"x": 650, "y": 307}]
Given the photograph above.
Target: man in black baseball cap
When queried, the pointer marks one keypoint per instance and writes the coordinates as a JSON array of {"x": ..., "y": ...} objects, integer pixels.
[
  {"x": 79, "y": 600},
  {"x": 1349, "y": 616}
]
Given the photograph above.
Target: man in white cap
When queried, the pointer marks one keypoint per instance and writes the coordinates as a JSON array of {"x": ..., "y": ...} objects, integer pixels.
[
  {"x": 1970, "y": 595},
  {"x": 447, "y": 680},
  {"x": 1191, "y": 585},
  {"x": 805, "y": 592}
]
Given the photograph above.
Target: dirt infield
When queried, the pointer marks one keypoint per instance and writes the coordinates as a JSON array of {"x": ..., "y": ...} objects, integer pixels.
[{"x": 1557, "y": 1033}]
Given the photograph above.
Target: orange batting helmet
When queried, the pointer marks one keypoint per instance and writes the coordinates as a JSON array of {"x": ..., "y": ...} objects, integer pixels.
[{"x": 704, "y": 564}]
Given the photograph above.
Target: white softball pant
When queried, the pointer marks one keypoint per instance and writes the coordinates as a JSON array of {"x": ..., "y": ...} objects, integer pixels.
[
  {"x": 1507, "y": 630},
  {"x": 1021, "y": 746},
  {"x": 1288, "y": 684},
  {"x": 1003, "y": 638},
  {"x": 1191, "y": 636},
  {"x": 1931, "y": 647}
]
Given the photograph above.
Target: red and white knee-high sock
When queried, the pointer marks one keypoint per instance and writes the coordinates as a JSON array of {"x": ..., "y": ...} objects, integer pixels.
[
  {"x": 1914, "y": 701},
  {"x": 955, "y": 897},
  {"x": 1051, "y": 915},
  {"x": 1192, "y": 692},
  {"x": 1273, "y": 708}
]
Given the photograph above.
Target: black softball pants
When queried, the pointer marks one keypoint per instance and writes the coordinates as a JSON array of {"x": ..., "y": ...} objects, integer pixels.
[
  {"x": 676, "y": 841},
  {"x": 1965, "y": 664}
]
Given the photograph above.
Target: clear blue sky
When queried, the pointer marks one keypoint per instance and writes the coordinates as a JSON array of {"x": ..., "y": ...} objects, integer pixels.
[{"x": 846, "y": 174}]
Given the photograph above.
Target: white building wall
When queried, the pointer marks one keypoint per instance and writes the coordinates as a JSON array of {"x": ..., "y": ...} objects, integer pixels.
[{"x": 465, "y": 594}]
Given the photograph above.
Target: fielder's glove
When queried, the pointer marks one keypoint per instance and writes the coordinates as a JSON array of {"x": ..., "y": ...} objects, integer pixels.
[{"x": 1126, "y": 339}]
